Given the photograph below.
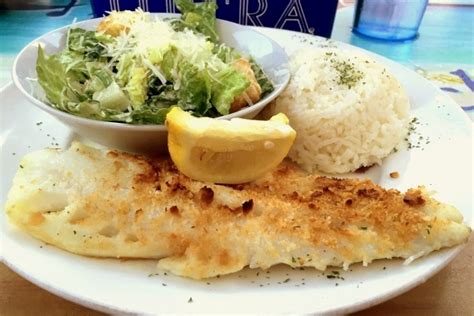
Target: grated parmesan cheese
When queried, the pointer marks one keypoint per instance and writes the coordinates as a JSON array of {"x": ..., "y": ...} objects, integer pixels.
[{"x": 148, "y": 37}]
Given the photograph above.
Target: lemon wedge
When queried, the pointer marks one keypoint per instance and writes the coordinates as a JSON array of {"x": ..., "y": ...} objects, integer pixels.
[{"x": 228, "y": 152}]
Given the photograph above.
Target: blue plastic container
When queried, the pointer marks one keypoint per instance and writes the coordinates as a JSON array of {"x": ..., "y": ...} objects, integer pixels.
[
  {"x": 393, "y": 20},
  {"x": 308, "y": 16}
]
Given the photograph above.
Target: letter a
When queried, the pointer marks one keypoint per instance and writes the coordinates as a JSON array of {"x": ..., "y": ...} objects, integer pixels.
[{"x": 294, "y": 12}]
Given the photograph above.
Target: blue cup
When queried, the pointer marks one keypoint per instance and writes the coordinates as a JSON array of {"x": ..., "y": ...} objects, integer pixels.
[{"x": 392, "y": 20}]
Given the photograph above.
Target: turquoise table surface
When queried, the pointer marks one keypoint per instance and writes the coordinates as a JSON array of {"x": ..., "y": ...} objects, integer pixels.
[
  {"x": 19, "y": 27},
  {"x": 443, "y": 53},
  {"x": 446, "y": 37}
]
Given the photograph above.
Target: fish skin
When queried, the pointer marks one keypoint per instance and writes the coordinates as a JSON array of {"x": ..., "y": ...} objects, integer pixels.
[{"x": 112, "y": 204}]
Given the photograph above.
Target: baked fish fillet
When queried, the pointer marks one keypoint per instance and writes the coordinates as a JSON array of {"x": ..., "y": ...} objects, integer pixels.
[{"x": 113, "y": 204}]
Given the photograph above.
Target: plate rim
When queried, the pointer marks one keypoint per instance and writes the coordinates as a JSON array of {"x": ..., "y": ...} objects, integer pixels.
[{"x": 349, "y": 308}]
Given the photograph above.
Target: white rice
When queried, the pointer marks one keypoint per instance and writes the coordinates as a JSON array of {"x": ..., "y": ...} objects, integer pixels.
[{"x": 346, "y": 118}]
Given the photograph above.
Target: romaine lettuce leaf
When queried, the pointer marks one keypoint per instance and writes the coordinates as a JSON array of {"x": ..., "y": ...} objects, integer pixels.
[
  {"x": 161, "y": 95},
  {"x": 149, "y": 116},
  {"x": 226, "y": 54},
  {"x": 170, "y": 63},
  {"x": 99, "y": 77},
  {"x": 225, "y": 86},
  {"x": 199, "y": 17},
  {"x": 194, "y": 91},
  {"x": 92, "y": 109},
  {"x": 265, "y": 83},
  {"x": 87, "y": 42},
  {"x": 52, "y": 77},
  {"x": 74, "y": 63},
  {"x": 137, "y": 86},
  {"x": 112, "y": 98},
  {"x": 193, "y": 87},
  {"x": 88, "y": 109},
  {"x": 59, "y": 81},
  {"x": 123, "y": 69}
]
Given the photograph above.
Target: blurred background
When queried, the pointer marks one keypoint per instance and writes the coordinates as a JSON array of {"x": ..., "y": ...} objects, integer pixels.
[{"x": 443, "y": 51}]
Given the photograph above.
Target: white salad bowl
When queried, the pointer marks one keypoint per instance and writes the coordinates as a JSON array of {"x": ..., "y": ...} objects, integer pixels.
[{"x": 147, "y": 138}]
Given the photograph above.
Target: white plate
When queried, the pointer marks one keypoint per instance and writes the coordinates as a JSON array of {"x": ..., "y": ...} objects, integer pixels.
[{"x": 444, "y": 165}]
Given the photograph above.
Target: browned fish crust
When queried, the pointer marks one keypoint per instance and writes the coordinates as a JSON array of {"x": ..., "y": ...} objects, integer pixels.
[{"x": 141, "y": 207}]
